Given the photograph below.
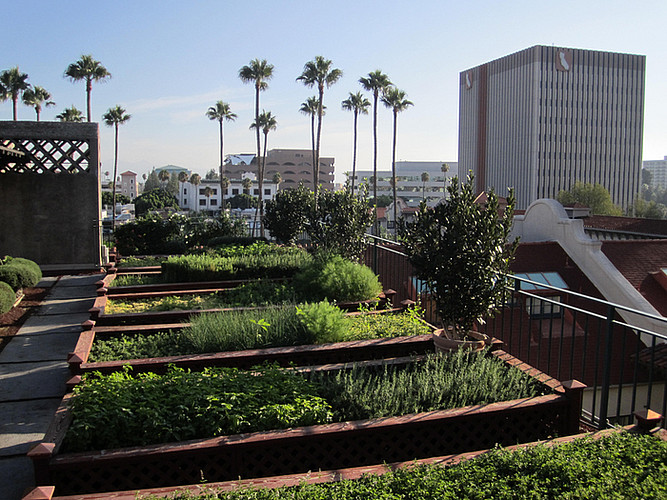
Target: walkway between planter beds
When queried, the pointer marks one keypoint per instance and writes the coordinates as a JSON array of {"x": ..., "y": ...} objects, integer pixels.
[{"x": 33, "y": 372}]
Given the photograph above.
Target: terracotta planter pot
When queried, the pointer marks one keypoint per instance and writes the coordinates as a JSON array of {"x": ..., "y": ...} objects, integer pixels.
[{"x": 447, "y": 343}]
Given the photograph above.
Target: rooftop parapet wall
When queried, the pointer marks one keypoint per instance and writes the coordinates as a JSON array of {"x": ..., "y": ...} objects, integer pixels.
[{"x": 50, "y": 197}]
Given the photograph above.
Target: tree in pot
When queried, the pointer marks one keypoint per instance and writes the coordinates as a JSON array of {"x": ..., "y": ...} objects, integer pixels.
[{"x": 461, "y": 250}]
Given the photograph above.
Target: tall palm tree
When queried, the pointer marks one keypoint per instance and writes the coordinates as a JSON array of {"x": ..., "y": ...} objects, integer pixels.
[
  {"x": 319, "y": 72},
  {"x": 444, "y": 168},
  {"x": 182, "y": 179},
  {"x": 376, "y": 82},
  {"x": 37, "y": 96},
  {"x": 258, "y": 72},
  {"x": 224, "y": 184},
  {"x": 397, "y": 101},
  {"x": 266, "y": 122},
  {"x": 164, "y": 178},
  {"x": 13, "y": 83},
  {"x": 207, "y": 192},
  {"x": 277, "y": 179},
  {"x": 221, "y": 112},
  {"x": 357, "y": 103},
  {"x": 247, "y": 186},
  {"x": 90, "y": 70},
  {"x": 425, "y": 178},
  {"x": 195, "y": 180},
  {"x": 113, "y": 118},
  {"x": 70, "y": 115},
  {"x": 310, "y": 108}
]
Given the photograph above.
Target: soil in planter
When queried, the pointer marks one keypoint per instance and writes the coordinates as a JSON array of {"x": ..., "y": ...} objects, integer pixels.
[
  {"x": 11, "y": 321},
  {"x": 149, "y": 409},
  {"x": 233, "y": 331}
]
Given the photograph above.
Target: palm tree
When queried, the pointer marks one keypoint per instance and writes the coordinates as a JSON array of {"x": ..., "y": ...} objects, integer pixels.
[
  {"x": 13, "y": 84},
  {"x": 310, "y": 108},
  {"x": 257, "y": 72},
  {"x": 425, "y": 179},
  {"x": 207, "y": 192},
  {"x": 164, "y": 178},
  {"x": 395, "y": 99},
  {"x": 35, "y": 97},
  {"x": 90, "y": 70},
  {"x": 70, "y": 115},
  {"x": 376, "y": 82},
  {"x": 113, "y": 118},
  {"x": 221, "y": 112},
  {"x": 277, "y": 179},
  {"x": 266, "y": 122},
  {"x": 224, "y": 184},
  {"x": 182, "y": 179},
  {"x": 247, "y": 185},
  {"x": 357, "y": 103},
  {"x": 444, "y": 168},
  {"x": 195, "y": 180},
  {"x": 319, "y": 72}
]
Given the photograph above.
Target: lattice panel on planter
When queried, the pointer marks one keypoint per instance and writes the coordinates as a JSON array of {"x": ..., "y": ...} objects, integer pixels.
[{"x": 50, "y": 155}]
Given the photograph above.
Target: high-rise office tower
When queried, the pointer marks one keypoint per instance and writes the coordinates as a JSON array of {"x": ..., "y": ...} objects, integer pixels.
[{"x": 543, "y": 118}]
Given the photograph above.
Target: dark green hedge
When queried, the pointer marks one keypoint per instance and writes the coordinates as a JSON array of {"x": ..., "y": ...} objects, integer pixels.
[
  {"x": 20, "y": 273},
  {"x": 7, "y": 297}
]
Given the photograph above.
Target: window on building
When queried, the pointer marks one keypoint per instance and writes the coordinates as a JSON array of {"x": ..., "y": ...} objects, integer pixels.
[
  {"x": 267, "y": 192},
  {"x": 536, "y": 307},
  {"x": 185, "y": 202},
  {"x": 255, "y": 192},
  {"x": 202, "y": 203},
  {"x": 214, "y": 201},
  {"x": 185, "y": 191},
  {"x": 235, "y": 191}
]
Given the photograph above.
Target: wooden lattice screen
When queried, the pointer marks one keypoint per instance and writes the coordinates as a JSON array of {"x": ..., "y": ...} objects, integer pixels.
[{"x": 46, "y": 214}]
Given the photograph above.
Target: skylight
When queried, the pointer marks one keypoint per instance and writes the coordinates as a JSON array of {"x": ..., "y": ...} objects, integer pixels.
[{"x": 551, "y": 278}]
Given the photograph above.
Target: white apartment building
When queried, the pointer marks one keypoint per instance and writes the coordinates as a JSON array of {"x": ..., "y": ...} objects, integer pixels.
[
  {"x": 411, "y": 187},
  {"x": 543, "y": 118},
  {"x": 197, "y": 198}
]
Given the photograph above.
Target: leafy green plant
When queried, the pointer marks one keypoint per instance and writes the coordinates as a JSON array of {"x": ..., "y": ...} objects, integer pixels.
[
  {"x": 150, "y": 234},
  {"x": 619, "y": 466},
  {"x": 337, "y": 279},
  {"x": 461, "y": 250},
  {"x": 324, "y": 321},
  {"x": 144, "y": 261},
  {"x": 20, "y": 273},
  {"x": 124, "y": 410},
  {"x": 169, "y": 343},
  {"x": 374, "y": 326},
  {"x": 7, "y": 297},
  {"x": 286, "y": 215},
  {"x": 439, "y": 382}
]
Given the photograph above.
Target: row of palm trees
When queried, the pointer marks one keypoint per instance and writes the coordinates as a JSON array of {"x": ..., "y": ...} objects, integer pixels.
[{"x": 14, "y": 84}]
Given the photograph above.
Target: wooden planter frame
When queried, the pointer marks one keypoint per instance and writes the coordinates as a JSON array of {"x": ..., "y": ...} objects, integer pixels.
[{"x": 298, "y": 450}]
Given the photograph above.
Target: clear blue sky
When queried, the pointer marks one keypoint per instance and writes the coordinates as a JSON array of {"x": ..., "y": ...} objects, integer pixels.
[{"x": 171, "y": 60}]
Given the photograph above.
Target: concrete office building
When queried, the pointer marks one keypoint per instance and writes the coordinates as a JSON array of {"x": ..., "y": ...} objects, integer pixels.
[
  {"x": 658, "y": 169},
  {"x": 545, "y": 117}
]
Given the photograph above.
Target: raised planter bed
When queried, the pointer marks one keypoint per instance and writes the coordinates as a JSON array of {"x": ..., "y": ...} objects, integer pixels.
[
  {"x": 300, "y": 355},
  {"x": 298, "y": 450}
]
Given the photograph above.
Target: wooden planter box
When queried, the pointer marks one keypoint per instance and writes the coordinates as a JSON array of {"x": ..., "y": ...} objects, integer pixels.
[
  {"x": 319, "y": 447},
  {"x": 304, "y": 355}
]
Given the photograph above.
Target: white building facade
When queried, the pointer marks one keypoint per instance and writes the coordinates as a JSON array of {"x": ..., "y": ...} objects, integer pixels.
[
  {"x": 658, "y": 169},
  {"x": 206, "y": 196}
]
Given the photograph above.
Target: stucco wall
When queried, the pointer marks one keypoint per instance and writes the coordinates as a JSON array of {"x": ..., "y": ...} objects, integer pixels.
[{"x": 50, "y": 210}]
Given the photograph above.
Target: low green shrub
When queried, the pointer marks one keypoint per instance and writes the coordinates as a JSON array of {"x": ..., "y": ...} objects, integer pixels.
[
  {"x": 619, "y": 466},
  {"x": 20, "y": 273},
  {"x": 335, "y": 278},
  {"x": 147, "y": 260},
  {"x": 7, "y": 297},
  {"x": 156, "y": 345},
  {"x": 180, "y": 405},
  {"x": 324, "y": 321},
  {"x": 150, "y": 234}
]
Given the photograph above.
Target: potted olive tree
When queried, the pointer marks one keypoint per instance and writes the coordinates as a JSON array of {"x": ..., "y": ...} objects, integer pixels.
[{"x": 460, "y": 249}]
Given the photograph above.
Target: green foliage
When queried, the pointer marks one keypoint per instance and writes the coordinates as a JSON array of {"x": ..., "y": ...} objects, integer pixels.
[
  {"x": 375, "y": 326},
  {"x": 384, "y": 200},
  {"x": 19, "y": 273},
  {"x": 123, "y": 410},
  {"x": 150, "y": 234},
  {"x": 242, "y": 200},
  {"x": 339, "y": 222},
  {"x": 200, "y": 230},
  {"x": 337, "y": 279},
  {"x": 139, "y": 262},
  {"x": 324, "y": 321},
  {"x": 594, "y": 196},
  {"x": 648, "y": 209},
  {"x": 155, "y": 199},
  {"x": 460, "y": 249},
  {"x": 152, "y": 182},
  {"x": 459, "y": 379},
  {"x": 7, "y": 297},
  {"x": 170, "y": 343},
  {"x": 618, "y": 466},
  {"x": 286, "y": 215},
  {"x": 107, "y": 198}
]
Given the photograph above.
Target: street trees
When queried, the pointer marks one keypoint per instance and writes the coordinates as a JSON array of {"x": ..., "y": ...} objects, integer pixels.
[
  {"x": 357, "y": 103},
  {"x": 89, "y": 70},
  {"x": 113, "y": 118},
  {"x": 594, "y": 196},
  {"x": 319, "y": 73}
]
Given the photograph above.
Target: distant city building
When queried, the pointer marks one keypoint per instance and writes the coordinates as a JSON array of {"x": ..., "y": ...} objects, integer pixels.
[
  {"x": 128, "y": 184},
  {"x": 410, "y": 186},
  {"x": 294, "y": 166},
  {"x": 173, "y": 170},
  {"x": 545, "y": 117},
  {"x": 195, "y": 198},
  {"x": 658, "y": 169}
]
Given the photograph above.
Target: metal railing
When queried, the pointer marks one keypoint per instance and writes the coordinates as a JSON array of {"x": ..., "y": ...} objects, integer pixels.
[{"x": 566, "y": 334}]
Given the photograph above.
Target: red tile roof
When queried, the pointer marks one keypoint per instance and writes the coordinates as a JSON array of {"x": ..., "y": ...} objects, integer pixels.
[
  {"x": 628, "y": 224},
  {"x": 636, "y": 260}
]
